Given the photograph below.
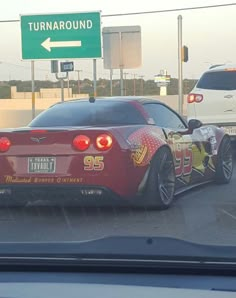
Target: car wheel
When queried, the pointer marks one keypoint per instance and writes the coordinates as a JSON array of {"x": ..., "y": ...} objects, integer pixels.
[
  {"x": 224, "y": 165},
  {"x": 161, "y": 180}
]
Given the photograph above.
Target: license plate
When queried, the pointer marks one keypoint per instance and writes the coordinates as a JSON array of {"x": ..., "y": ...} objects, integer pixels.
[
  {"x": 41, "y": 165},
  {"x": 231, "y": 130}
]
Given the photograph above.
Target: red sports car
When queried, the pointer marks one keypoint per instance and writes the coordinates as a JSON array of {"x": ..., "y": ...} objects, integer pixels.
[{"x": 120, "y": 149}]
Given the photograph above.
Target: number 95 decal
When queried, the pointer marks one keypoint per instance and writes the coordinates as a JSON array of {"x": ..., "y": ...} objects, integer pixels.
[
  {"x": 93, "y": 163},
  {"x": 182, "y": 147}
]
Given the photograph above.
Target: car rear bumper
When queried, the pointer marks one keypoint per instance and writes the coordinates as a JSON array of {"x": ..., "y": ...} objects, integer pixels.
[{"x": 48, "y": 195}]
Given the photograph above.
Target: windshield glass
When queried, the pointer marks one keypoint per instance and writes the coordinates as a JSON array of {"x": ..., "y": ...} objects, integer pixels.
[
  {"x": 113, "y": 123},
  {"x": 218, "y": 80}
]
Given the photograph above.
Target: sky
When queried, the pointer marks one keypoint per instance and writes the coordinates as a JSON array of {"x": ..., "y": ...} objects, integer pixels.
[{"x": 208, "y": 33}]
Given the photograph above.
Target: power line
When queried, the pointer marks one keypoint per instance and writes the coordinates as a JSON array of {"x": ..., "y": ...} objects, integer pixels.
[
  {"x": 169, "y": 10},
  {"x": 9, "y": 21},
  {"x": 151, "y": 12}
]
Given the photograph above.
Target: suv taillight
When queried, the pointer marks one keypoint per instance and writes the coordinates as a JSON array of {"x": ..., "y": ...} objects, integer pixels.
[{"x": 192, "y": 97}]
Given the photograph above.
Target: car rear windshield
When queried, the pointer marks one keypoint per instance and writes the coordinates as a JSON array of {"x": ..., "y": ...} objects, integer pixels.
[
  {"x": 218, "y": 80},
  {"x": 83, "y": 113}
]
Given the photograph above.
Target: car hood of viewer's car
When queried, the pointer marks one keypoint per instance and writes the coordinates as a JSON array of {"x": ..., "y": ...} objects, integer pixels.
[{"x": 122, "y": 247}]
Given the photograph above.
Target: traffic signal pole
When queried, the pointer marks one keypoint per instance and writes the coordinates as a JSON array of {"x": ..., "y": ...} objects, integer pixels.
[{"x": 180, "y": 67}]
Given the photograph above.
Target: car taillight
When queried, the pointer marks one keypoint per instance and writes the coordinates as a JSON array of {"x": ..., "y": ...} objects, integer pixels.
[
  {"x": 81, "y": 142},
  {"x": 192, "y": 97},
  {"x": 104, "y": 142},
  {"x": 5, "y": 144}
]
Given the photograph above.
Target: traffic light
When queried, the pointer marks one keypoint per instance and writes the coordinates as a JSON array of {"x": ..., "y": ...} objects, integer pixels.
[{"x": 184, "y": 57}]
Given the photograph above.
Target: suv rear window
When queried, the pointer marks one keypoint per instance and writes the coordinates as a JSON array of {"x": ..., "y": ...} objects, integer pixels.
[
  {"x": 84, "y": 113},
  {"x": 218, "y": 80}
]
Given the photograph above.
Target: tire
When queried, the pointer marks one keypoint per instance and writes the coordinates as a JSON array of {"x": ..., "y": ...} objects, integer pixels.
[
  {"x": 161, "y": 181},
  {"x": 224, "y": 164}
]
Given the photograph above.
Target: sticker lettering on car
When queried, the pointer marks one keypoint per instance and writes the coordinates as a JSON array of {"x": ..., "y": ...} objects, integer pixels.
[{"x": 94, "y": 163}]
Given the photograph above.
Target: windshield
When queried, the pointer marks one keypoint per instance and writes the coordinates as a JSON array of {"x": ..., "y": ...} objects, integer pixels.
[{"x": 113, "y": 124}]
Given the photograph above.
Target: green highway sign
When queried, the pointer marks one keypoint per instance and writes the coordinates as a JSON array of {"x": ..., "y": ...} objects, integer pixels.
[{"x": 61, "y": 36}]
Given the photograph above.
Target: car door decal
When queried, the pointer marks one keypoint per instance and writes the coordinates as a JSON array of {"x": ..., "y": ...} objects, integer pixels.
[{"x": 182, "y": 152}]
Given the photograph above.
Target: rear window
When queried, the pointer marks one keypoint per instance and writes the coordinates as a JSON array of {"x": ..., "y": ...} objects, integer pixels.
[
  {"x": 102, "y": 113},
  {"x": 218, "y": 80}
]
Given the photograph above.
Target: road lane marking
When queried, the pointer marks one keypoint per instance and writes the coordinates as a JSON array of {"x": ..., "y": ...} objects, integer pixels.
[{"x": 229, "y": 214}]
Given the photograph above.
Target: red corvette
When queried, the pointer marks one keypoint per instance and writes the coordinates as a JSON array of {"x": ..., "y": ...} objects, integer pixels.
[{"x": 120, "y": 149}]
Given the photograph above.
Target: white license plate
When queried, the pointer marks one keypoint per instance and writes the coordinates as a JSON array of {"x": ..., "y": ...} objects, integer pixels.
[
  {"x": 231, "y": 130},
  {"x": 44, "y": 165}
]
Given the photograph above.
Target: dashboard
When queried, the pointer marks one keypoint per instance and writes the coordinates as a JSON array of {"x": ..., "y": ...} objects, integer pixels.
[{"x": 61, "y": 285}]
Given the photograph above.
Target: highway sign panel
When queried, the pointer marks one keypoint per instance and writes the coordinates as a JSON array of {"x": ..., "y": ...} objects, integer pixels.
[
  {"x": 67, "y": 66},
  {"x": 61, "y": 36},
  {"x": 122, "y": 48}
]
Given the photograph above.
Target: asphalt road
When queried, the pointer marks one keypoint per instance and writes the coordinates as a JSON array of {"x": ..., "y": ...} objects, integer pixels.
[{"x": 204, "y": 215}]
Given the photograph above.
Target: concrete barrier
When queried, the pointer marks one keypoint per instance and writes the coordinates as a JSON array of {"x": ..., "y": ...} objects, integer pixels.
[
  {"x": 18, "y": 112},
  {"x": 172, "y": 101},
  {"x": 16, "y": 118}
]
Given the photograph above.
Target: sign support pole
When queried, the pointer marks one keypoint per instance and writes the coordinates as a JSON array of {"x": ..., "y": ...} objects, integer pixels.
[
  {"x": 121, "y": 82},
  {"x": 111, "y": 73},
  {"x": 121, "y": 66},
  {"x": 68, "y": 86},
  {"x": 61, "y": 79},
  {"x": 94, "y": 77},
  {"x": 62, "y": 90},
  {"x": 33, "y": 89}
]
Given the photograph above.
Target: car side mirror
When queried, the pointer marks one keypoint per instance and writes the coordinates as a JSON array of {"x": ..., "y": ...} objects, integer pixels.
[{"x": 193, "y": 124}]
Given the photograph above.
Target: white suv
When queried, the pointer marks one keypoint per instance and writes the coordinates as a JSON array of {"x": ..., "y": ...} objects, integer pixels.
[{"x": 213, "y": 99}]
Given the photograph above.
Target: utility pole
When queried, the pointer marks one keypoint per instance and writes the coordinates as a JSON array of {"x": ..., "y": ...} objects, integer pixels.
[{"x": 78, "y": 82}]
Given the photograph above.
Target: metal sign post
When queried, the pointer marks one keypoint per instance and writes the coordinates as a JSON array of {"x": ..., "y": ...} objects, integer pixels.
[
  {"x": 62, "y": 90},
  {"x": 61, "y": 79},
  {"x": 121, "y": 82},
  {"x": 94, "y": 77},
  {"x": 78, "y": 80},
  {"x": 33, "y": 89},
  {"x": 121, "y": 66},
  {"x": 111, "y": 74}
]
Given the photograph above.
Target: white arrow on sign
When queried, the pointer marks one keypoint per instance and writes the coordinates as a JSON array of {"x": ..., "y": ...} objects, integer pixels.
[{"x": 48, "y": 44}]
